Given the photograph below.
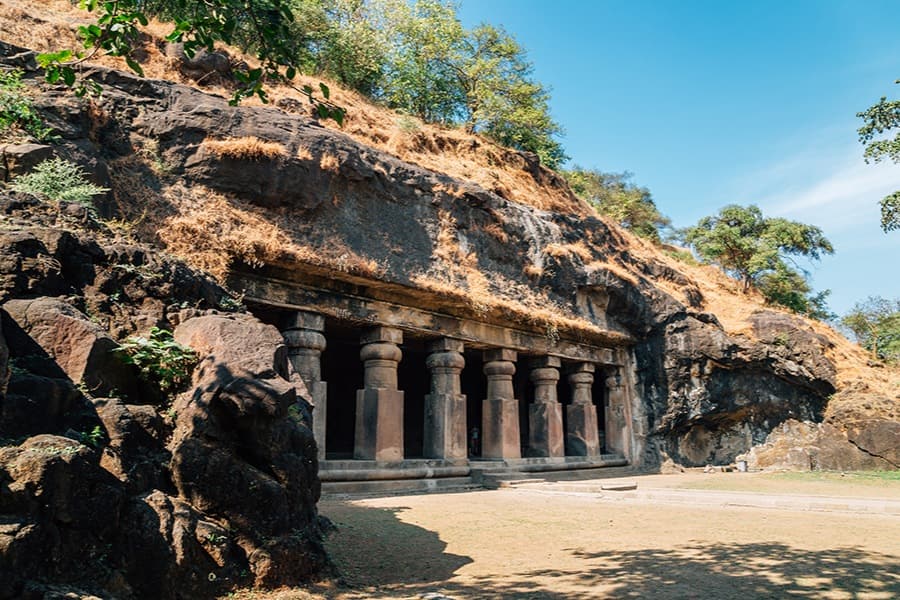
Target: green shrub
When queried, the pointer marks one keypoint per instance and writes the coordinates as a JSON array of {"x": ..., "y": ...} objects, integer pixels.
[
  {"x": 16, "y": 109},
  {"x": 59, "y": 180},
  {"x": 160, "y": 358}
]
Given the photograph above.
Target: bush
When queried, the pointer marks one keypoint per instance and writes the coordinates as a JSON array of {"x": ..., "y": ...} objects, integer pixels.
[
  {"x": 161, "y": 359},
  {"x": 16, "y": 110},
  {"x": 59, "y": 180}
]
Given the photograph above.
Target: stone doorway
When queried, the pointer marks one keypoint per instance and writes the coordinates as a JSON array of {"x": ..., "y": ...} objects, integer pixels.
[
  {"x": 343, "y": 370},
  {"x": 413, "y": 379},
  {"x": 474, "y": 386}
]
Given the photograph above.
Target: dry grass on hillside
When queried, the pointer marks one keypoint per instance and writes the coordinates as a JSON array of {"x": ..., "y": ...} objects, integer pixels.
[
  {"x": 246, "y": 148},
  {"x": 50, "y": 25}
]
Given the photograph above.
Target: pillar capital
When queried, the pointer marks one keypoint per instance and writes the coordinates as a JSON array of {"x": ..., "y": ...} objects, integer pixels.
[
  {"x": 302, "y": 319},
  {"x": 546, "y": 375},
  {"x": 306, "y": 339},
  {"x": 500, "y": 354},
  {"x": 582, "y": 367},
  {"x": 541, "y": 362},
  {"x": 388, "y": 335},
  {"x": 445, "y": 345}
]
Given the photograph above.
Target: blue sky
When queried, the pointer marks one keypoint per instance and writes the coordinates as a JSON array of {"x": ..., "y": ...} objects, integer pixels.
[{"x": 712, "y": 103}]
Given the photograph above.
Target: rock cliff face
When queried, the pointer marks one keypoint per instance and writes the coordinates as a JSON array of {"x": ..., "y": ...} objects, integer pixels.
[
  {"x": 702, "y": 395},
  {"x": 256, "y": 193}
]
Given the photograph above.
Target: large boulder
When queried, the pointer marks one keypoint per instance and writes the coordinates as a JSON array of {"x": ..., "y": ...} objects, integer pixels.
[
  {"x": 59, "y": 512},
  {"x": 804, "y": 445},
  {"x": 237, "y": 453},
  {"x": 81, "y": 348}
]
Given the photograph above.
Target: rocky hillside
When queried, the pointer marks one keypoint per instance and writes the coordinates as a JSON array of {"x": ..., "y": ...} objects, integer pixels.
[{"x": 115, "y": 473}]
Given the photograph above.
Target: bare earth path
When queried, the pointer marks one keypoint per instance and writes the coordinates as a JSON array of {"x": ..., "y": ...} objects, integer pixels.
[{"x": 553, "y": 544}]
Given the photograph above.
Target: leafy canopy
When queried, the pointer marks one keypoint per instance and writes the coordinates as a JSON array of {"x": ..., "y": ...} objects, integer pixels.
[
  {"x": 760, "y": 252},
  {"x": 880, "y": 121},
  {"x": 617, "y": 196},
  {"x": 480, "y": 78},
  {"x": 875, "y": 324}
]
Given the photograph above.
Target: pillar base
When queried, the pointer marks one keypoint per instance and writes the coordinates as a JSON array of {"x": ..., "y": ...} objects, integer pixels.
[
  {"x": 500, "y": 428},
  {"x": 445, "y": 426},
  {"x": 545, "y": 430},
  {"x": 582, "y": 438},
  {"x": 379, "y": 425}
]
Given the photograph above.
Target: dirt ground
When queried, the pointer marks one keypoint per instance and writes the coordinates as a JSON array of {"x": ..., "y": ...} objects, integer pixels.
[{"x": 540, "y": 544}]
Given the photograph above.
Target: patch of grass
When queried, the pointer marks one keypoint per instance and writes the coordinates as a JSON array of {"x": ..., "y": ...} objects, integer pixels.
[{"x": 850, "y": 476}]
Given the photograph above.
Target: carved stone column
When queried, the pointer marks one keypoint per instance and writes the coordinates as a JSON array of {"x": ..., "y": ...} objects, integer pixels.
[
  {"x": 545, "y": 433},
  {"x": 582, "y": 437},
  {"x": 500, "y": 410},
  {"x": 379, "y": 405},
  {"x": 445, "y": 406},
  {"x": 305, "y": 342},
  {"x": 616, "y": 427}
]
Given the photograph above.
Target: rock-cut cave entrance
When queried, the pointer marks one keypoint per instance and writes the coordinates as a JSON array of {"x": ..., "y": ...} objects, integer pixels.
[{"x": 343, "y": 371}]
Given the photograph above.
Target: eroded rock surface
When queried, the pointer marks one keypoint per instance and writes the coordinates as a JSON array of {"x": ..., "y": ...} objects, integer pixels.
[{"x": 108, "y": 488}]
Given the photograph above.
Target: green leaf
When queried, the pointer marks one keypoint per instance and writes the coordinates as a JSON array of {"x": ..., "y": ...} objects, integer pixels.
[
  {"x": 134, "y": 66},
  {"x": 68, "y": 74},
  {"x": 325, "y": 91}
]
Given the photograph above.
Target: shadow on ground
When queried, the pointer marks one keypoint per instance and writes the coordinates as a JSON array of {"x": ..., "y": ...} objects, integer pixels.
[
  {"x": 373, "y": 548},
  {"x": 381, "y": 557}
]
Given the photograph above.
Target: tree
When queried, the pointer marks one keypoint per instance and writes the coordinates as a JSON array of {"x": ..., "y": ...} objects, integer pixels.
[
  {"x": 881, "y": 118},
  {"x": 346, "y": 40},
  {"x": 756, "y": 250},
  {"x": 617, "y": 196},
  {"x": 263, "y": 26},
  {"x": 502, "y": 99},
  {"x": 480, "y": 79},
  {"x": 875, "y": 324},
  {"x": 420, "y": 77}
]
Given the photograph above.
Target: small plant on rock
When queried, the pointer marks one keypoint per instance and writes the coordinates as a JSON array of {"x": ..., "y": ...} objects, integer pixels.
[
  {"x": 17, "y": 113},
  {"x": 160, "y": 358},
  {"x": 93, "y": 438},
  {"x": 60, "y": 181}
]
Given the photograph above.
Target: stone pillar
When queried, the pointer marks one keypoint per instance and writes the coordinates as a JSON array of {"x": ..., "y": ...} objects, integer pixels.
[
  {"x": 379, "y": 405},
  {"x": 445, "y": 406},
  {"x": 545, "y": 433},
  {"x": 500, "y": 410},
  {"x": 582, "y": 438},
  {"x": 615, "y": 425},
  {"x": 305, "y": 342}
]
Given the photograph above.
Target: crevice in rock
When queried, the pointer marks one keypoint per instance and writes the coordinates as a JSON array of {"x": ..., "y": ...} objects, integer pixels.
[{"x": 872, "y": 454}]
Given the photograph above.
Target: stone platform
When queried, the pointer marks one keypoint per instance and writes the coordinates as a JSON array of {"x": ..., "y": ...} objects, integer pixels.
[{"x": 369, "y": 477}]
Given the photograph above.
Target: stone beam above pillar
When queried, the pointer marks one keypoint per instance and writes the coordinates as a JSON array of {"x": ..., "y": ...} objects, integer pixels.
[
  {"x": 500, "y": 410},
  {"x": 545, "y": 433},
  {"x": 379, "y": 405},
  {"x": 445, "y": 407}
]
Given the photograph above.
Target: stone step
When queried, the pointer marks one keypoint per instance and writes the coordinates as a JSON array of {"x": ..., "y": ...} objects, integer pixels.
[{"x": 389, "y": 487}]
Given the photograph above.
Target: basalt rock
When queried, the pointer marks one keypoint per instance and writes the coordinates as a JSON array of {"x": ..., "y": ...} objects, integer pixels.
[{"x": 239, "y": 456}]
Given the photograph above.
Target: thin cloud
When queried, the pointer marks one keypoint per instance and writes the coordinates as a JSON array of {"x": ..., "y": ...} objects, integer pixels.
[{"x": 847, "y": 196}]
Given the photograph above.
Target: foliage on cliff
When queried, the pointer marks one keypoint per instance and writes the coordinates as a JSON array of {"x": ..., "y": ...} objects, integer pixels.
[{"x": 882, "y": 120}]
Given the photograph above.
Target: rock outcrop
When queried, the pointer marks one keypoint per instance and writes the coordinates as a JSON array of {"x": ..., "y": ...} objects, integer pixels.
[{"x": 108, "y": 486}]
